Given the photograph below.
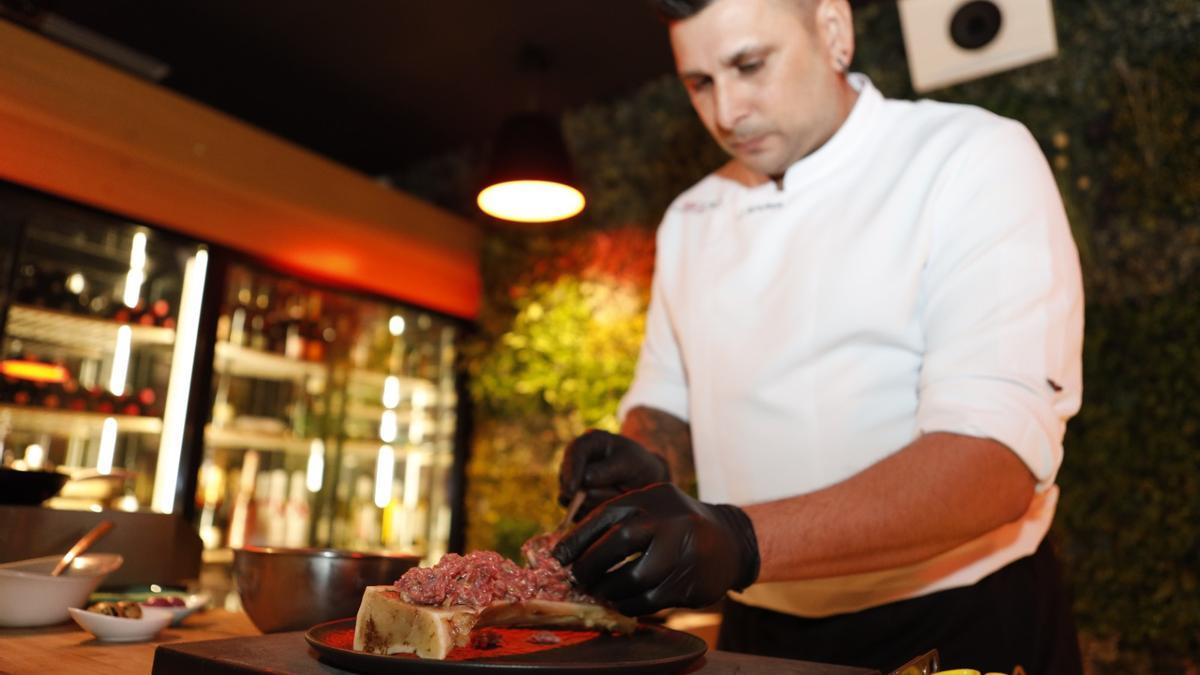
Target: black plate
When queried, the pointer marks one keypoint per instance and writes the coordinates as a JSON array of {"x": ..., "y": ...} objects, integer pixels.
[{"x": 650, "y": 649}]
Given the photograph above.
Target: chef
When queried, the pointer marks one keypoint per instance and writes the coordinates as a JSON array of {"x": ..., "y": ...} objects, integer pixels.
[{"x": 865, "y": 331}]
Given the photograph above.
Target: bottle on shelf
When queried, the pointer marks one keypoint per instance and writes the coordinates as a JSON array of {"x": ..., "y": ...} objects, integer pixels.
[
  {"x": 210, "y": 491},
  {"x": 296, "y": 512},
  {"x": 295, "y": 345},
  {"x": 276, "y": 508},
  {"x": 365, "y": 515},
  {"x": 244, "y": 518},
  {"x": 259, "y": 314},
  {"x": 314, "y": 341},
  {"x": 239, "y": 316}
]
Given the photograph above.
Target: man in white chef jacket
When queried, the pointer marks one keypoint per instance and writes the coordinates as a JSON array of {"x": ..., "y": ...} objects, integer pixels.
[{"x": 866, "y": 331}]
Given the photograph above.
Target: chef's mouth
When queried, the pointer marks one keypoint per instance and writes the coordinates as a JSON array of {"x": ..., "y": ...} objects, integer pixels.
[{"x": 751, "y": 144}]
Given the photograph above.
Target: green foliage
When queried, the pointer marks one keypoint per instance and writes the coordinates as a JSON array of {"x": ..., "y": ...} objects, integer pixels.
[
  {"x": 1129, "y": 518},
  {"x": 570, "y": 353},
  {"x": 510, "y": 533}
]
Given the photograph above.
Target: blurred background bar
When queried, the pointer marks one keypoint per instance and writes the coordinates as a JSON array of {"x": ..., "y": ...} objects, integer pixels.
[{"x": 181, "y": 377}]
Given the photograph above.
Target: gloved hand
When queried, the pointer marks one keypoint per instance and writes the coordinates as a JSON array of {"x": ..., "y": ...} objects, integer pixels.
[
  {"x": 606, "y": 465},
  {"x": 691, "y": 552}
]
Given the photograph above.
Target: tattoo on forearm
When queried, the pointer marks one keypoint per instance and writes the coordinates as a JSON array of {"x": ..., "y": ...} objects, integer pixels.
[{"x": 667, "y": 436}]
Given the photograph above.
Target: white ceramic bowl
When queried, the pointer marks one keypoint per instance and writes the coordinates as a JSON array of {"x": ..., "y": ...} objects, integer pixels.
[
  {"x": 190, "y": 604},
  {"x": 29, "y": 596},
  {"x": 120, "y": 629}
]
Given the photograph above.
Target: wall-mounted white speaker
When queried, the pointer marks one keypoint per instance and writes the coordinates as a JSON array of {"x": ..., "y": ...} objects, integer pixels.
[{"x": 952, "y": 41}]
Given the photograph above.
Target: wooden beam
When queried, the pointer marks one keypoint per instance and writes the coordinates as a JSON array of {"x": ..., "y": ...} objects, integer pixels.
[{"x": 75, "y": 127}]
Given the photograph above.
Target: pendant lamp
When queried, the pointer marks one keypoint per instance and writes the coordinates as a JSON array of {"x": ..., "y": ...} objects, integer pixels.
[{"x": 529, "y": 178}]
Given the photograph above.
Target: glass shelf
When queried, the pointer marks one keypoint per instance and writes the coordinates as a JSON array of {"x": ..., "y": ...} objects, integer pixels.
[
  {"x": 72, "y": 330},
  {"x": 72, "y": 422},
  {"x": 227, "y": 437},
  {"x": 236, "y": 360},
  {"x": 370, "y": 449}
]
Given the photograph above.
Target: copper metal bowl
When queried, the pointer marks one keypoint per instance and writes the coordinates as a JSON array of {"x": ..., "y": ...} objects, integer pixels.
[{"x": 286, "y": 589}]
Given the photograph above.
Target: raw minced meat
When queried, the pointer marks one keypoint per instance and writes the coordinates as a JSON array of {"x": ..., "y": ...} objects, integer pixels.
[{"x": 481, "y": 578}]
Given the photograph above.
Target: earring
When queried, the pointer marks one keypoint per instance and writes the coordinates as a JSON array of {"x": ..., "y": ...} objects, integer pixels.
[{"x": 841, "y": 63}]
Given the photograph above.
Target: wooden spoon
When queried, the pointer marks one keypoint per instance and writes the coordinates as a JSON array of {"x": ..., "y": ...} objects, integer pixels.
[{"x": 82, "y": 545}]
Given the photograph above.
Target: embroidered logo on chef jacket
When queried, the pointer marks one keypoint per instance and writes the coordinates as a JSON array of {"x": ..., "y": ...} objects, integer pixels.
[
  {"x": 759, "y": 208},
  {"x": 699, "y": 207}
]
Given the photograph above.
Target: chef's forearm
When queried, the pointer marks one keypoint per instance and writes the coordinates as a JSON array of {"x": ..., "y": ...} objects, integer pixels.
[
  {"x": 666, "y": 436},
  {"x": 940, "y": 491}
]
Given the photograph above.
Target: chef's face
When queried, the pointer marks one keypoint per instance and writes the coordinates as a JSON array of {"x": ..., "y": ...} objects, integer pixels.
[{"x": 763, "y": 75}]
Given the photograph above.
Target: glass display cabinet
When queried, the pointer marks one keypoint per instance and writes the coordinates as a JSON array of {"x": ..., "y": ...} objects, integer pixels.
[
  {"x": 268, "y": 409},
  {"x": 332, "y": 422},
  {"x": 99, "y": 336}
]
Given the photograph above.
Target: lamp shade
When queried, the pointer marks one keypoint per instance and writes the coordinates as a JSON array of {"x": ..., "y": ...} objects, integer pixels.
[{"x": 529, "y": 178}]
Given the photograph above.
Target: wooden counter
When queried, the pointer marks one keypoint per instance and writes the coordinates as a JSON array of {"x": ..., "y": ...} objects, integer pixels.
[{"x": 68, "y": 649}]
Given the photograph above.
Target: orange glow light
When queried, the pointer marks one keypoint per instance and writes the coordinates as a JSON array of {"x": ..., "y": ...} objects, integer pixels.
[
  {"x": 531, "y": 201},
  {"x": 34, "y": 371}
]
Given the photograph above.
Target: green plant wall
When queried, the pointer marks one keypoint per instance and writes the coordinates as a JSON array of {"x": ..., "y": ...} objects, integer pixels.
[{"x": 1118, "y": 116}]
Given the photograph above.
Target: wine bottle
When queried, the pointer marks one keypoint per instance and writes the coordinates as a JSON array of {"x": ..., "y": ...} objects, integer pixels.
[
  {"x": 314, "y": 342},
  {"x": 296, "y": 512},
  {"x": 294, "y": 343},
  {"x": 239, "y": 317},
  {"x": 161, "y": 309},
  {"x": 258, "y": 320}
]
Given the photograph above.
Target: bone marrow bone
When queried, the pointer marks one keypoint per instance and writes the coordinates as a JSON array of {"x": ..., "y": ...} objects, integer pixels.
[{"x": 387, "y": 624}]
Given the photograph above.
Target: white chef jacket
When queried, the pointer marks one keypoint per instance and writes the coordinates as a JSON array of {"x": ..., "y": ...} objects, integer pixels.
[{"x": 916, "y": 273}]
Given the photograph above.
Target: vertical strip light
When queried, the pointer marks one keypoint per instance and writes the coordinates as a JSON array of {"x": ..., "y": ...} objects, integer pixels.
[
  {"x": 412, "y": 479},
  {"x": 166, "y": 474},
  {"x": 388, "y": 427},
  {"x": 137, "y": 270},
  {"x": 315, "y": 475},
  {"x": 120, "y": 364},
  {"x": 385, "y": 470},
  {"x": 108, "y": 445},
  {"x": 391, "y": 392}
]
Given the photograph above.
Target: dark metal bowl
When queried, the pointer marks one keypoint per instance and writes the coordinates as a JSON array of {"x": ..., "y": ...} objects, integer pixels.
[
  {"x": 286, "y": 589},
  {"x": 29, "y": 488}
]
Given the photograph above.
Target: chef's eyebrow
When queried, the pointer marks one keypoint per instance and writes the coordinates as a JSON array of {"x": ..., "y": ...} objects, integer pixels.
[{"x": 753, "y": 51}]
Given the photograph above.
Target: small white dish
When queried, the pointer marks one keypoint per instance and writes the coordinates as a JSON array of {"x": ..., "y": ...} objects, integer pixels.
[
  {"x": 29, "y": 596},
  {"x": 120, "y": 629},
  {"x": 191, "y": 604}
]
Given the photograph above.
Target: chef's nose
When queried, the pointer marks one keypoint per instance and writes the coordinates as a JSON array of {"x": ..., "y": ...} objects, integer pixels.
[{"x": 730, "y": 102}]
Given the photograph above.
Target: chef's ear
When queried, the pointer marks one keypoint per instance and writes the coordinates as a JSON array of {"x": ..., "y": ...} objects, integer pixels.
[{"x": 834, "y": 25}]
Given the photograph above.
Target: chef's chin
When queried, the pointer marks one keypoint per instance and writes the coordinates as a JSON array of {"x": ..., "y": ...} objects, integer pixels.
[{"x": 762, "y": 163}]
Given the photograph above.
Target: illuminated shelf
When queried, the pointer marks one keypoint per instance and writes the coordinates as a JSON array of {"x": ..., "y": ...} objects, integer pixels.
[
  {"x": 242, "y": 361},
  {"x": 227, "y": 437},
  {"x": 404, "y": 415},
  {"x": 73, "y": 330},
  {"x": 370, "y": 449},
  {"x": 69, "y": 422},
  {"x": 408, "y": 385}
]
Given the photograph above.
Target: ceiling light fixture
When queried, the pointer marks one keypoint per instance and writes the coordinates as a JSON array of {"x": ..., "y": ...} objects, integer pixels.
[{"x": 530, "y": 178}]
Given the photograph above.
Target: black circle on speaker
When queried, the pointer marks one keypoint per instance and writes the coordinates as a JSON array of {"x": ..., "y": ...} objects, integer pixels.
[{"x": 975, "y": 24}]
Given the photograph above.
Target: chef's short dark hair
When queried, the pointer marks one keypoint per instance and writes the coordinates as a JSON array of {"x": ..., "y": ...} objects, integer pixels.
[{"x": 676, "y": 10}]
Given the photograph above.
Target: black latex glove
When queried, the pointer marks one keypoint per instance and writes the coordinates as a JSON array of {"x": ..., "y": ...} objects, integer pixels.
[
  {"x": 605, "y": 465},
  {"x": 691, "y": 552}
]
